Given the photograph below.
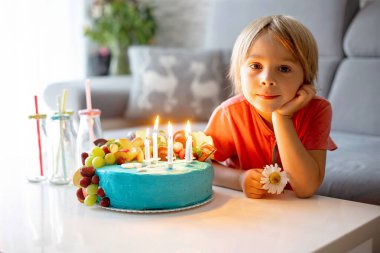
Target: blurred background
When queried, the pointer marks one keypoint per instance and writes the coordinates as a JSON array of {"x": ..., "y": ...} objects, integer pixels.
[{"x": 43, "y": 41}]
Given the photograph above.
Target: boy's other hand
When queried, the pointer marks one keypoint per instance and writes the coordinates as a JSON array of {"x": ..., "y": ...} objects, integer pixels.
[
  {"x": 250, "y": 183},
  {"x": 303, "y": 96}
]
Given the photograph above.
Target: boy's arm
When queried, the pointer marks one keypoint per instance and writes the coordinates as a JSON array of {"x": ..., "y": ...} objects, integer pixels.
[
  {"x": 227, "y": 177},
  {"x": 247, "y": 181},
  {"x": 305, "y": 168}
]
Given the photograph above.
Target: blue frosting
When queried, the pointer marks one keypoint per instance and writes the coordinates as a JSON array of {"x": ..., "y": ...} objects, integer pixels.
[{"x": 157, "y": 188}]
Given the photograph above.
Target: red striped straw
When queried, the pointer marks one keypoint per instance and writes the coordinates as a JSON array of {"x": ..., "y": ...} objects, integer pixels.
[
  {"x": 39, "y": 136},
  {"x": 88, "y": 95}
]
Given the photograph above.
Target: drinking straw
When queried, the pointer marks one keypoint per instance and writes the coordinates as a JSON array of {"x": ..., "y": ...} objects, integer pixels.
[
  {"x": 88, "y": 95},
  {"x": 38, "y": 136},
  {"x": 89, "y": 110},
  {"x": 64, "y": 96},
  {"x": 61, "y": 144}
]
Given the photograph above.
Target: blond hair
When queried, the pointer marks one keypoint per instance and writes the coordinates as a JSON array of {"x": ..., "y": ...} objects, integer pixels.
[{"x": 289, "y": 32}]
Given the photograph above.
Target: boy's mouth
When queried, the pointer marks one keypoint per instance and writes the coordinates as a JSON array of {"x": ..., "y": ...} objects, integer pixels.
[{"x": 267, "y": 96}]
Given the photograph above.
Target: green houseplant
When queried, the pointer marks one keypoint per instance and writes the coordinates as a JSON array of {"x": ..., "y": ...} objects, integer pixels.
[{"x": 117, "y": 24}]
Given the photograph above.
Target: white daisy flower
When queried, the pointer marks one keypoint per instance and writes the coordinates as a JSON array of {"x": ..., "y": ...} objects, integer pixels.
[{"x": 273, "y": 179}]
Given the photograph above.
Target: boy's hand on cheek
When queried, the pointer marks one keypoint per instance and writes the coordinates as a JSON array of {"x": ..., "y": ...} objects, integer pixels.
[
  {"x": 303, "y": 96},
  {"x": 250, "y": 183}
]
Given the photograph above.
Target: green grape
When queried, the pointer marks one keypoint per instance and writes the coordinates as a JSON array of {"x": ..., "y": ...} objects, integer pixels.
[
  {"x": 98, "y": 162},
  {"x": 90, "y": 200},
  {"x": 92, "y": 189},
  {"x": 98, "y": 151},
  {"x": 110, "y": 158},
  {"x": 88, "y": 161}
]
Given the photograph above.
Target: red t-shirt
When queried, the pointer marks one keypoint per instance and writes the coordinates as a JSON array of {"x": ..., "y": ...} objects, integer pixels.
[{"x": 243, "y": 140}]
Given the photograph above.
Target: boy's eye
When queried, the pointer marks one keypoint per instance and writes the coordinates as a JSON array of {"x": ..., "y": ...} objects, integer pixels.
[
  {"x": 255, "y": 66},
  {"x": 284, "y": 69}
]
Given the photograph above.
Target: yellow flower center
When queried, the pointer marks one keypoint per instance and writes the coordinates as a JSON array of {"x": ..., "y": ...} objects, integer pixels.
[{"x": 275, "y": 178}]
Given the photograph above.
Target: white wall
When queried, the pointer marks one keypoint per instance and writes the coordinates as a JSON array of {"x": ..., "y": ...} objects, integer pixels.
[{"x": 181, "y": 23}]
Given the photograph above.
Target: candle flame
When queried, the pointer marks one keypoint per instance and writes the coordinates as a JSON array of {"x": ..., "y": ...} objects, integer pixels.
[
  {"x": 156, "y": 124},
  {"x": 187, "y": 129}
]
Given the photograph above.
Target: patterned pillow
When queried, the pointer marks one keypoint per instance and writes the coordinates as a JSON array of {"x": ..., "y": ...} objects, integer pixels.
[{"x": 175, "y": 83}]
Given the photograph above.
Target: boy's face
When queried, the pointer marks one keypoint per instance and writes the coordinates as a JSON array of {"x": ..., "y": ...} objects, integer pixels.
[{"x": 270, "y": 75}]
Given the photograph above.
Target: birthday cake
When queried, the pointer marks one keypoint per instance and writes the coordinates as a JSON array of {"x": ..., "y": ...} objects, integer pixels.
[{"x": 116, "y": 175}]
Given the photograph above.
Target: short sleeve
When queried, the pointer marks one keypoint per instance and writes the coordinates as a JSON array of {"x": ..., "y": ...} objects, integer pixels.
[
  {"x": 219, "y": 128},
  {"x": 314, "y": 125}
]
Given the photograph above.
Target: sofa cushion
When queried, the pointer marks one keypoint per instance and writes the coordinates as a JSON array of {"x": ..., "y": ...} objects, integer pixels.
[
  {"x": 355, "y": 96},
  {"x": 175, "y": 83},
  {"x": 352, "y": 171},
  {"x": 327, "y": 67},
  {"x": 363, "y": 36}
]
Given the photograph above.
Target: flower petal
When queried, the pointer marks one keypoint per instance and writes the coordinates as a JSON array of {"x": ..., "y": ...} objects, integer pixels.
[{"x": 277, "y": 188}]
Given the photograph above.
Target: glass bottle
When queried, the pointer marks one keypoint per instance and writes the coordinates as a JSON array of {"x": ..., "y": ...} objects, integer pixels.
[
  {"x": 89, "y": 130},
  {"x": 63, "y": 149},
  {"x": 37, "y": 171},
  {"x": 71, "y": 115}
]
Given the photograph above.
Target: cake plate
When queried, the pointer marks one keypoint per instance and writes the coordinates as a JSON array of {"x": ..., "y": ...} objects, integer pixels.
[{"x": 159, "y": 210}]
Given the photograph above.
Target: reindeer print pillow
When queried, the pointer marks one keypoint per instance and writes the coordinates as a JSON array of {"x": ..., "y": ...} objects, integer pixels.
[{"x": 174, "y": 83}]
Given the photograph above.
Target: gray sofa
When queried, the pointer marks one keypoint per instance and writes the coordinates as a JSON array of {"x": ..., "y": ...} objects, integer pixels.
[{"x": 349, "y": 76}]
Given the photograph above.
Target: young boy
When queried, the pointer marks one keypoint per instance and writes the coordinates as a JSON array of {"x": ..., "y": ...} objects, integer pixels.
[{"x": 276, "y": 117}]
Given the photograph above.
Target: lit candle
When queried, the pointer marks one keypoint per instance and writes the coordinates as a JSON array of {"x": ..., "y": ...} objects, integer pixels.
[
  {"x": 147, "y": 146},
  {"x": 170, "y": 144},
  {"x": 189, "y": 143},
  {"x": 155, "y": 146}
]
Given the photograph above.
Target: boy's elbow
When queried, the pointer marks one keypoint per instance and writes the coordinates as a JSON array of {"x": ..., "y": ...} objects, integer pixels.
[{"x": 305, "y": 193}]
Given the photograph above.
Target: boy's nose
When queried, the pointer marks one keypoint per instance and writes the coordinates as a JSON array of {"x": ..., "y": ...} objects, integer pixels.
[
  {"x": 267, "y": 83},
  {"x": 267, "y": 78}
]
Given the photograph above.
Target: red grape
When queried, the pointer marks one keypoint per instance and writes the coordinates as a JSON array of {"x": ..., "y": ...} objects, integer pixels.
[
  {"x": 105, "y": 149},
  {"x": 87, "y": 171},
  {"x": 85, "y": 181},
  {"x": 95, "y": 179},
  {"x": 105, "y": 202},
  {"x": 84, "y": 155},
  {"x": 80, "y": 195},
  {"x": 101, "y": 192},
  {"x": 120, "y": 160}
]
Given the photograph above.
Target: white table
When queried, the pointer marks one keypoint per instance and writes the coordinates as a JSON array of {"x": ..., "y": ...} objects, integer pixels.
[{"x": 48, "y": 218}]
